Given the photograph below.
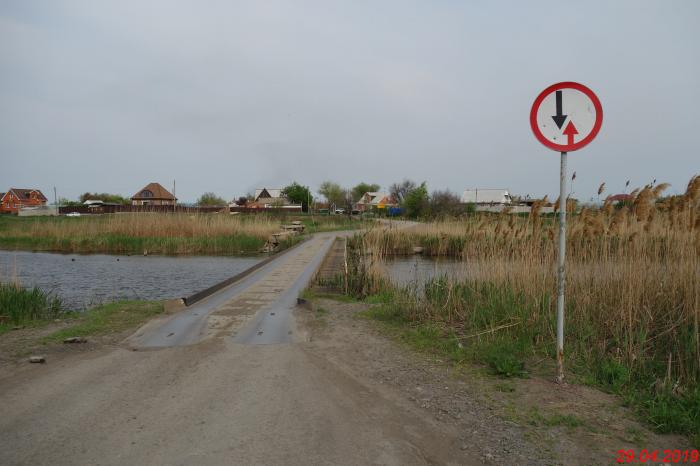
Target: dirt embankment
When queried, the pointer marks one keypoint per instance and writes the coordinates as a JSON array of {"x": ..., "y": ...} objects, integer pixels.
[{"x": 500, "y": 421}]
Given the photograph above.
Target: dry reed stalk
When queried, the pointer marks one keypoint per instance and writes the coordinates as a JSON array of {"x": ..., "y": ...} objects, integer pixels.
[
  {"x": 632, "y": 274},
  {"x": 150, "y": 225}
]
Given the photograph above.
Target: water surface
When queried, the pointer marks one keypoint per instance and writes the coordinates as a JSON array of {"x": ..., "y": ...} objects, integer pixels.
[
  {"x": 417, "y": 269},
  {"x": 82, "y": 281}
]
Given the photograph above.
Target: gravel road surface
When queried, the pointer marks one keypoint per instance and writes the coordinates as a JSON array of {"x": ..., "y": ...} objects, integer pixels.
[{"x": 218, "y": 391}]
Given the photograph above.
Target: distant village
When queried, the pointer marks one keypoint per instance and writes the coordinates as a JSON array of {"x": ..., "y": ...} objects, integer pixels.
[{"x": 295, "y": 198}]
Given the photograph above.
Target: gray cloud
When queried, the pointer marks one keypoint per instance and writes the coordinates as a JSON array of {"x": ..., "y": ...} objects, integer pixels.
[{"x": 227, "y": 96}]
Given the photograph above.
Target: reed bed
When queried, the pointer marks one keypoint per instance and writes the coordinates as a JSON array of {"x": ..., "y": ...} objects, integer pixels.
[
  {"x": 633, "y": 294},
  {"x": 145, "y": 225},
  {"x": 19, "y": 305},
  {"x": 144, "y": 232}
]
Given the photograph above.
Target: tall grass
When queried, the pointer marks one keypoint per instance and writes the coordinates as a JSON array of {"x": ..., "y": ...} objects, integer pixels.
[
  {"x": 156, "y": 233},
  {"x": 633, "y": 294},
  {"x": 19, "y": 305}
]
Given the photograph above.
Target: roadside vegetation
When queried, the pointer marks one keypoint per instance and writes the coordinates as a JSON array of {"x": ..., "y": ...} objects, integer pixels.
[
  {"x": 155, "y": 233},
  {"x": 107, "y": 319},
  {"x": 39, "y": 333},
  {"x": 321, "y": 223},
  {"x": 19, "y": 306},
  {"x": 633, "y": 297},
  {"x": 152, "y": 233}
]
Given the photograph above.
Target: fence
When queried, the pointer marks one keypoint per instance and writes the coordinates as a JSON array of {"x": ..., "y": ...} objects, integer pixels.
[
  {"x": 37, "y": 211},
  {"x": 120, "y": 209}
]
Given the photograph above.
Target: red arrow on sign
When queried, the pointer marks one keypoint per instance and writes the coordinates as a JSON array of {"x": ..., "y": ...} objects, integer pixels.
[{"x": 570, "y": 130}]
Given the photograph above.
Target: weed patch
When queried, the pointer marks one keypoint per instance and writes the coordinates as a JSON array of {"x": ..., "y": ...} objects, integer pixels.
[
  {"x": 109, "y": 318},
  {"x": 19, "y": 306}
]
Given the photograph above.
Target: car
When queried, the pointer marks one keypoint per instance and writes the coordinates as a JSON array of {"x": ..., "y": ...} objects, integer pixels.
[
  {"x": 339, "y": 211},
  {"x": 73, "y": 214}
]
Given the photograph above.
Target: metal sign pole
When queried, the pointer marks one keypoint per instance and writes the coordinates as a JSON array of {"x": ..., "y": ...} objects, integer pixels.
[
  {"x": 580, "y": 107},
  {"x": 561, "y": 269}
]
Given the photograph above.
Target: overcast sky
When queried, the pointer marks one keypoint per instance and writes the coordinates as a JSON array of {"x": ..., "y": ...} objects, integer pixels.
[{"x": 228, "y": 96}]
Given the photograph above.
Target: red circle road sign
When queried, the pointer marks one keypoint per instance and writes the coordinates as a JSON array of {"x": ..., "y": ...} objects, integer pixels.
[{"x": 566, "y": 116}]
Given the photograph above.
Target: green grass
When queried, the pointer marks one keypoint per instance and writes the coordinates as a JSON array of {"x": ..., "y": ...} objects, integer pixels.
[
  {"x": 19, "y": 306},
  {"x": 492, "y": 334},
  {"x": 109, "y": 318},
  {"x": 6, "y": 327},
  {"x": 536, "y": 418},
  {"x": 505, "y": 387},
  {"x": 504, "y": 357},
  {"x": 323, "y": 223}
]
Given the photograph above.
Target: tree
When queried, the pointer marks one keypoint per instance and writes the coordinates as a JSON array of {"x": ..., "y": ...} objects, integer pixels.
[
  {"x": 445, "y": 204},
  {"x": 417, "y": 202},
  {"x": 62, "y": 201},
  {"x": 105, "y": 197},
  {"x": 210, "y": 199},
  {"x": 242, "y": 201},
  {"x": 298, "y": 194},
  {"x": 362, "y": 188},
  {"x": 333, "y": 193},
  {"x": 399, "y": 191}
]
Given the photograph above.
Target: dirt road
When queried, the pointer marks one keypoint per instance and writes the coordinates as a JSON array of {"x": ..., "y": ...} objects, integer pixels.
[{"x": 201, "y": 389}]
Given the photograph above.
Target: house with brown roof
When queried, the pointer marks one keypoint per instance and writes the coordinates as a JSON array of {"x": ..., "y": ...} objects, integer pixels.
[
  {"x": 374, "y": 200},
  {"x": 268, "y": 198},
  {"x": 153, "y": 194},
  {"x": 15, "y": 199}
]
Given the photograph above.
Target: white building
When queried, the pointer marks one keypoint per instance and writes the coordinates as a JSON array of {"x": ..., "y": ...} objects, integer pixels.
[{"x": 486, "y": 196}]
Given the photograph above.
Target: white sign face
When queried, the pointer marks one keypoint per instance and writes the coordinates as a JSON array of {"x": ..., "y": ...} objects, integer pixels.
[{"x": 566, "y": 116}]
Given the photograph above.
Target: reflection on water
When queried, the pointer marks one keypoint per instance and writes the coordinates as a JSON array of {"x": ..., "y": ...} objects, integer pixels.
[
  {"x": 417, "y": 269},
  {"x": 85, "y": 280}
]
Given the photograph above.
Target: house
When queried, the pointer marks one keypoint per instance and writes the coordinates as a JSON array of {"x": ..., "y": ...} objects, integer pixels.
[
  {"x": 376, "y": 200},
  {"x": 94, "y": 203},
  {"x": 153, "y": 194},
  {"x": 268, "y": 198},
  {"x": 15, "y": 199},
  {"x": 486, "y": 196}
]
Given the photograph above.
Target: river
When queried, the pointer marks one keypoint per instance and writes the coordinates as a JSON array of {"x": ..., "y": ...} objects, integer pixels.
[{"x": 82, "y": 281}]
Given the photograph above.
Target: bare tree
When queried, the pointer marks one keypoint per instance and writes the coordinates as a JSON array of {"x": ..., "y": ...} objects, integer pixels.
[
  {"x": 399, "y": 191},
  {"x": 445, "y": 204}
]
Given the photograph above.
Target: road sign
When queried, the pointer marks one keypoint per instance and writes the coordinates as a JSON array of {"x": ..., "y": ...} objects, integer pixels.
[{"x": 566, "y": 116}]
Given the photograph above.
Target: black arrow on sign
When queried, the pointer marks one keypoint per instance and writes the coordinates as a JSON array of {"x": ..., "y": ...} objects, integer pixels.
[{"x": 559, "y": 119}]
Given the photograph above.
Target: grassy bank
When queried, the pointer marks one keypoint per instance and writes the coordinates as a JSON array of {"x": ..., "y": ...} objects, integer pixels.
[
  {"x": 107, "y": 319},
  {"x": 105, "y": 324},
  {"x": 135, "y": 233},
  {"x": 322, "y": 223},
  {"x": 19, "y": 306},
  {"x": 633, "y": 297},
  {"x": 155, "y": 233}
]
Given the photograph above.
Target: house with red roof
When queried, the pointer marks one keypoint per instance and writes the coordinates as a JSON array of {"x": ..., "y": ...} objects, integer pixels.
[{"x": 15, "y": 199}]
